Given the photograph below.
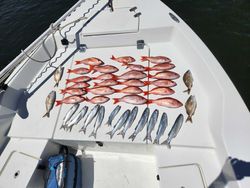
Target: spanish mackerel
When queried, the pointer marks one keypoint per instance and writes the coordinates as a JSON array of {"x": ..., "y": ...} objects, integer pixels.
[
  {"x": 151, "y": 125},
  {"x": 98, "y": 122},
  {"x": 69, "y": 114},
  {"x": 174, "y": 130},
  {"x": 77, "y": 118},
  {"x": 119, "y": 123},
  {"x": 142, "y": 122},
  {"x": 112, "y": 115},
  {"x": 92, "y": 114},
  {"x": 129, "y": 122},
  {"x": 162, "y": 127}
]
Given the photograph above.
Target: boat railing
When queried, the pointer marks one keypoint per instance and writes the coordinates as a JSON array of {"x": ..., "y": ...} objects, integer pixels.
[{"x": 5, "y": 73}]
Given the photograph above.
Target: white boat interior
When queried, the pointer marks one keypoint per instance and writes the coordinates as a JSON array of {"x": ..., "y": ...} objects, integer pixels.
[{"x": 199, "y": 155}]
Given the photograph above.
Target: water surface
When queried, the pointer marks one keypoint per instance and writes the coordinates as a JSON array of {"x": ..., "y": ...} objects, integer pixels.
[{"x": 223, "y": 25}]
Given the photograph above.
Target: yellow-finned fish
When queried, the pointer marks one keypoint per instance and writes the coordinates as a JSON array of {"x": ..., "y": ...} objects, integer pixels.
[
  {"x": 50, "y": 101},
  {"x": 188, "y": 81},
  {"x": 58, "y": 75},
  {"x": 190, "y": 106}
]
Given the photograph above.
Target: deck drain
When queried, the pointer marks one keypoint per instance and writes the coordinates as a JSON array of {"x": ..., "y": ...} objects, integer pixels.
[
  {"x": 174, "y": 17},
  {"x": 16, "y": 174}
]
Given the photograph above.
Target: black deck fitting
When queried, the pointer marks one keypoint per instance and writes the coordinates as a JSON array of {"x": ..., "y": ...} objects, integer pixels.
[
  {"x": 99, "y": 143},
  {"x": 137, "y": 15},
  {"x": 174, "y": 17},
  {"x": 140, "y": 44},
  {"x": 65, "y": 42},
  {"x": 132, "y": 9},
  {"x": 111, "y": 5},
  {"x": 82, "y": 47},
  {"x": 158, "y": 177}
]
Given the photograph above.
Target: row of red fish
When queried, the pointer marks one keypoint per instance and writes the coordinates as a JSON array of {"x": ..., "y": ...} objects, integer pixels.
[{"x": 130, "y": 99}]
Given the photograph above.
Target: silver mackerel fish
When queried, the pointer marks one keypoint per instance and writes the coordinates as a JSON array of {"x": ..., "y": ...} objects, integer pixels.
[
  {"x": 123, "y": 119},
  {"x": 112, "y": 115},
  {"x": 77, "y": 118},
  {"x": 141, "y": 124},
  {"x": 98, "y": 122},
  {"x": 69, "y": 115},
  {"x": 151, "y": 125},
  {"x": 162, "y": 127}
]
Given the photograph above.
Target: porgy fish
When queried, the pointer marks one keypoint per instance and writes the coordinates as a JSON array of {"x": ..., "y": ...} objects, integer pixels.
[
  {"x": 129, "y": 122},
  {"x": 141, "y": 124},
  {"x": 112, "y": 115},
  {"x": 50, "y": 101},
  {"x": 190, "y": 106},
  {"x": 162, "y": 127},
  {"x": 119, "y": 123},
  {"x": 58, "y": 75},
  {"x": 92, "y": 114},
  {"x": 69, "y": 114},
  {"x": 77, "y": 118},
  {"x": 174, "y": 130},
  {"x": 151, "y": 124},
  {"x": 188, "y": 81},
  {"x": 98, "y": 122}
]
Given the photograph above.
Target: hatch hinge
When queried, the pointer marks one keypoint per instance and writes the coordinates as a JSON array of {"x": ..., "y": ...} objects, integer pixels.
[{"x": 140, "y": 44}]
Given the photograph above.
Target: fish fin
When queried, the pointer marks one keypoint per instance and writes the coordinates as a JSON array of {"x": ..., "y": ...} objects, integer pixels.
[
  {"x": 188, "y": 91},
  {"x": 110, "y": 134},
  {"x": 189, "y": 118},
  {"x": 91, "y": 68},
  {"x": 167, "y": 142},
  {"x": 150, "y": 76},
  {"x": 144, "y": 58},
  {"x": 119, "y": 83},
  {"x": 58, "y": 103},
  {"x": 147, "y": 83},
  {"x": 116, "y": 100},
  {"x": 122, "y": 133},
  {"x": 145, "y": 92},
  {"x": 69, "y": 71},
  {"x": 156, "y": 141},
  {"x": 132, "y": 137},
  {"x": 68, "y": 81},
  {"x": 117, "y": 90},
  {"x": 124, "y": 64},
  {"x": 113, "y": 57},
  {"x": 46, "y": 115},
  {"x": 93, "y": 134},
  {"x": 83, "y": 129},
  {"x": 56, "y": 85},
  {"x": 77, "y": 62}
]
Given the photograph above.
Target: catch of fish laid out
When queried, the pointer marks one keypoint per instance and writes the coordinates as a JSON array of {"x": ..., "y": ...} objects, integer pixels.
[{"x": 94, "y": 82}]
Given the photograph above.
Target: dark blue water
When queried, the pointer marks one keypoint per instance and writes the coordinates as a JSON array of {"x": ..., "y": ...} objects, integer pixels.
[{"x": 224, "y": 26}]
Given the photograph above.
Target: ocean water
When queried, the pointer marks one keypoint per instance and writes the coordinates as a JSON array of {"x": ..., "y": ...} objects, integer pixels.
[{"x": 223, "y": 25}]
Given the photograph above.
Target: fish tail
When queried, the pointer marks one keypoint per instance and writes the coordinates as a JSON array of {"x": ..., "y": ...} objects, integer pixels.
[
  {"x": 150, "y": 76},
  {"x": 93, "y": 134},
  {"x": 117, "y": 91},
  {"x": 148, "y": 137},
  {"x": 94, "y": 71},
  {"x": 83, "y": 130},
  {"x": 110, "y": 134},
  {"x": 116, "y": 100},
  {"x": 113, "y": 57},
  {"x": 91, "y": 68},
  {"x": 168, "y": 141},
  {"x": 69, "y": 71},
  {"x": 63, "y": 127},
  {"x": 145, "y": 92},
  {"x": 56, "y": 85},
  {"x": 125, "y": 64},
  {"x": 63, "y": 91},
  {"x": 132, "y": 137},
  {"x": 77, "y": 62},
  {"x": 95, "y": 84},
  {"x": 119, "y": 83},
  {"x": 46, "y": 115},
  {"x": 68, "y": 81},
  {"x": 148, "y": 69},
  {"x": 189, "y": 118},
  {"x": 58, "y": 103},
  {"x": 147, "y": 83},
  {"x": 149, "y": 101},
  {"x": 156, "y": 141},
  {"x": 144, "y": 58},
  {"x": 122, "y": 133},
  {"x": 188, "y": 91}
]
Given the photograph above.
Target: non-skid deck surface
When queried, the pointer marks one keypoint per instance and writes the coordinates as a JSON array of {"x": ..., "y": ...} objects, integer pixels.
[{"x": 196, "y": 134}]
